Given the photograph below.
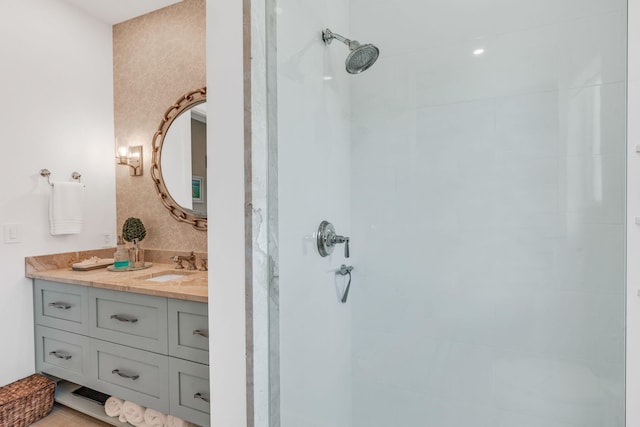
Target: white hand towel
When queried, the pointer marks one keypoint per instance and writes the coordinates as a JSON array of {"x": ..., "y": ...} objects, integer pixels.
[
  {"x": 113, "y": 406},
  {"x": 134, "y": 414},
  {"x": 65, "y": 208},
  {"x": 154, "y": 418},
  {"x": 177, "y": 422}
]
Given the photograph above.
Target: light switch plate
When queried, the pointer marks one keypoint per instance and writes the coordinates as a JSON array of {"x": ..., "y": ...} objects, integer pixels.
[{"x": 12, "y": 233}]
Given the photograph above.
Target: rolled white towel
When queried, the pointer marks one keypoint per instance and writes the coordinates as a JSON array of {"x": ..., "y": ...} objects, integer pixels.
[
  {"x": 154, "y": 418},
  {"x": 134, "y": 413},
  {"x": 113, "y": 406},
  {"x": 122, "y": 418},
  {"x": 177, "y": 422}
]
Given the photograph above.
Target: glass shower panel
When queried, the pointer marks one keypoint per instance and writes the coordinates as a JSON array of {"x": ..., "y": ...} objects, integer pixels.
[{"x": 478, "y": 167}]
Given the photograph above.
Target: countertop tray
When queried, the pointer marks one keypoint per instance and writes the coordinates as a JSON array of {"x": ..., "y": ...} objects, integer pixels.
[
  {"x": 146, "y": 265},
  {"x": 86, "y": 266}
]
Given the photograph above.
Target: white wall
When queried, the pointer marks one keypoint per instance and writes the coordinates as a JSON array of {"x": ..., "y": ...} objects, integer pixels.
[
  {"x": 226, "y": 236},
  {"x": 488, "y": 213},
  {"x": 314, "y": 185},
  {"x": 57, "y": 113}
]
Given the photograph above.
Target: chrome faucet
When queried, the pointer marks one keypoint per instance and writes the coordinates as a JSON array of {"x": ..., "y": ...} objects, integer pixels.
[{"x": 191, "y": 260}]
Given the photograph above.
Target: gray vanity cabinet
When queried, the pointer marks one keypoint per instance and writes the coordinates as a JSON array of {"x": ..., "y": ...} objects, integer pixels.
[
  {"x": 131, "y": 319},
  {"x": 63, "y": 354},
  {"x": 62, "y": 306},
  {"x": 189, "y": 330},
  {"x": 190, "y": 385},
  {"x": 131, "y": 374},
  {"x": 150, "y": 350}
]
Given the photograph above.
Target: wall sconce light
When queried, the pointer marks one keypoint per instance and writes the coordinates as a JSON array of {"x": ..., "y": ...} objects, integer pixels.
[{"x": 132, "y": 157}]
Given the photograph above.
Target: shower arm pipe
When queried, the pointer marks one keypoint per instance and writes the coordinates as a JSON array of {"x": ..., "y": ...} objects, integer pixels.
[{"x": 328, "y": 36}]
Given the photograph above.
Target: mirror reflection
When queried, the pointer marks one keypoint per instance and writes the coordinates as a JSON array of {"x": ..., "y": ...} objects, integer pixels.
[
  {"x": 184, "y": 159},
  {"x": 179, "y": 159}
]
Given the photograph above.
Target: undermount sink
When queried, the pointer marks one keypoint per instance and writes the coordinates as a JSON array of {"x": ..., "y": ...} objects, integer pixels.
[{"x": 166, "y": 276}]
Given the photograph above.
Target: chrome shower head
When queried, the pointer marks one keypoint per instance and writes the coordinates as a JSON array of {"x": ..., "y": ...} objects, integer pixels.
[{"x": 360, "y": 58}]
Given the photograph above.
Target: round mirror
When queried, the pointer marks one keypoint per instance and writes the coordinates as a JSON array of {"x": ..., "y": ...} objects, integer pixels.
[{"x": 179, "y": 159}]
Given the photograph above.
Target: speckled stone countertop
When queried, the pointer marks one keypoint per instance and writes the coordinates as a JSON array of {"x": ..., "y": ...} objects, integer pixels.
[{"x": 57, "y": 268}]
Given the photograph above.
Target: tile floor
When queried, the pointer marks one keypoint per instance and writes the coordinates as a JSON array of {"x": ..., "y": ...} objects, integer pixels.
[{"x": 62, "y": 416}]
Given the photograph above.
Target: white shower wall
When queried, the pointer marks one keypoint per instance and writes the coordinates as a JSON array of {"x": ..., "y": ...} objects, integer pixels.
[
  {"x": 488, "y": 214},
  {"x": 313, "y": 175},
  {"x": 484, "y": 195}
]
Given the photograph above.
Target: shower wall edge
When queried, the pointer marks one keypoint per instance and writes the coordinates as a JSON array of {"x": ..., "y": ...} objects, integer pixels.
[{"x": 263, "y": 212}]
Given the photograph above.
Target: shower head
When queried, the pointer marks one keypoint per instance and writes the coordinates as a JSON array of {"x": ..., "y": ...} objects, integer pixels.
[{"x": 360, "y": 58}]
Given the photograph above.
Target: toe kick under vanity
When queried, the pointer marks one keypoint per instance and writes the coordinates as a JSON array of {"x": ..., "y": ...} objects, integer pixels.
[{"x": 125, "y": 335}]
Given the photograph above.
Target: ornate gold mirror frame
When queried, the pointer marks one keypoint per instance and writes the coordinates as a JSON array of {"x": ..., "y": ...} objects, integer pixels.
[{"x": 188, "y": 100}]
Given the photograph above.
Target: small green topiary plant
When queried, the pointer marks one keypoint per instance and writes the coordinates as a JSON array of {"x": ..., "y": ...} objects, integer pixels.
[{"x": 133, "y": 230}]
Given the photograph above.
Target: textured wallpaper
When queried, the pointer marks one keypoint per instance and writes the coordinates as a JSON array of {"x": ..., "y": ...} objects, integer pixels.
[{"x": 157, "y": 58}]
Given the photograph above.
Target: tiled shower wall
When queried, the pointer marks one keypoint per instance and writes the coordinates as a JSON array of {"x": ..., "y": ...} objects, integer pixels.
[{"x": 157, "y": 57}]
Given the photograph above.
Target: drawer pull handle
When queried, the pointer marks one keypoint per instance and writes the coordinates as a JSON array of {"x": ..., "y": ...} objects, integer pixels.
[
  {"x": 124, "y": 375},
  {"x": 60, "y": 305},
  {"x": 123, "y": 318},
  {"x": 202, "y": 396},
  {"x": 60, "y": 355},
  {"x": 201, "y": 333}
]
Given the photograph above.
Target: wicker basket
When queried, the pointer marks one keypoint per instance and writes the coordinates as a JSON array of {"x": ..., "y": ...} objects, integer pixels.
[{"x": 26, "y": 401}]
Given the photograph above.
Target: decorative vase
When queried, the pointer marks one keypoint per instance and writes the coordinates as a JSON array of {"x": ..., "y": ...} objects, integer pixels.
[{"x": 136, "y": 255}]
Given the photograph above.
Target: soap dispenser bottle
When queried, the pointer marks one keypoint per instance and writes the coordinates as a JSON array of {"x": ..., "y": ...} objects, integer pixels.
[{"x": 121, "y": 256}]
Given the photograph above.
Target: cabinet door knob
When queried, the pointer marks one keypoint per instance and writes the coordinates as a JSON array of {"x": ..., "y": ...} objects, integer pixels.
[
  {"x": 125, "y": 375},
  {"x": 124, "y": 318},
  {"x": 60, "y": 305},
  {"x": 202, "y": 396},
  {"x": 60, "y": 355}
]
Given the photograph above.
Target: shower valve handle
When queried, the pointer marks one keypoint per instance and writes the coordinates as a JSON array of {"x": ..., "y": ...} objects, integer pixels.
[
  {"x": 327, "y": 239},
  {"x": 342, "y": 239}
]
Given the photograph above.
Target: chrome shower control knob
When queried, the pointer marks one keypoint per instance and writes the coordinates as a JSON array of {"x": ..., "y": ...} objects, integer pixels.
[{"x": 326, "y": 240}]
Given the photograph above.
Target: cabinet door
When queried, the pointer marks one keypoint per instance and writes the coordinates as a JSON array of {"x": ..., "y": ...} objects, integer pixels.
[
  {"x": 131, "y": 374},
  {"x": 61, "y": 306},
  {"x": 63, "y": 354},
  {"x": 189, "y": 391},
  {"x": 134, "y": 320},
  {"x": 189, "y": 330}
]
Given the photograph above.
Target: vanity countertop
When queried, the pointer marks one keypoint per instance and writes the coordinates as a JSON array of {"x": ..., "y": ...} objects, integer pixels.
[{"x": 192, "y": 287}]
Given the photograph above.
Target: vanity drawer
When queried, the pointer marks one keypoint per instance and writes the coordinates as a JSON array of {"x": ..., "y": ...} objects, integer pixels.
[
  {"x": 61, "y": 306},
  {"x": 131, "y": 374},
  {"x": 62, "y": 354},
  {"x": 189, "y": 330},
  {"x": 189, "y": 390},
  {"x": 131, "y": 319}
]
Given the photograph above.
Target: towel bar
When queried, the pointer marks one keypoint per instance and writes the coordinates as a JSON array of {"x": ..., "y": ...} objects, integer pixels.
[{"x": 47, "y": 173}]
